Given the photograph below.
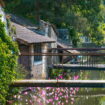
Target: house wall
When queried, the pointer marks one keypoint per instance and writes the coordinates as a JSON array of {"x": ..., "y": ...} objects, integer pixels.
[
  {"x": 39, "y": 70},
  {"x": 49, "y": 31},
  {"x": 25, "y": 60},
  {"x": 36, "y": 70}
]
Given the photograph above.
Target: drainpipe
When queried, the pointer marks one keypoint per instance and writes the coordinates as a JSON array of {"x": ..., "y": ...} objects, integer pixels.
[
  {"x": 31, "y": 57},
  {"x": 44, "y": 60}
]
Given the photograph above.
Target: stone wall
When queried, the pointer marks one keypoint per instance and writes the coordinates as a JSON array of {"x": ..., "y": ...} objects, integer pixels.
[
  {"x": 50, "y": 31},
  {"x": 36, "y": 71},
  {"x": 39, "y": 71},
  {"x": 25, "y": 61}
]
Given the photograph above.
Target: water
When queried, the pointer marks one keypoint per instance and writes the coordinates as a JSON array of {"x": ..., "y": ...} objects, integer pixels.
[
  {"x": 83, "y": 97},
  {"x": 65, "y": 96}
]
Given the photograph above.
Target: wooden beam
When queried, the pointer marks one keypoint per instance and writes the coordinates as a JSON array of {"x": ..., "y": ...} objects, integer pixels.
[
  {"x": 61, "y": 54},
  {"x": 79, "y": 49},
  {"x": 76, "y": 67},
  {"x": 59, "y": 83}
]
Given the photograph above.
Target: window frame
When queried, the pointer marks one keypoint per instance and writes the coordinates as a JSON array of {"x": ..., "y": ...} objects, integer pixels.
[{"x": 38, "y": 49}]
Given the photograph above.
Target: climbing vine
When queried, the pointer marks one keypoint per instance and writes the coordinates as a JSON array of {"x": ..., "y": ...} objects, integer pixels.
[{"x": 8, "y": 62}]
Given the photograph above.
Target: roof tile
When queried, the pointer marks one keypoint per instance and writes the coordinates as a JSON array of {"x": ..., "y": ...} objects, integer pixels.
[{"x": 29, "y": 36}]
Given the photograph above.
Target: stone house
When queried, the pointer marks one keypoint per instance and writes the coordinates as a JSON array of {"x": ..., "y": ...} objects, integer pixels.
[
  {"x": 61, "y": 36},
  {"x": 38, "y": 39},
  {"x": 31, "y": 42}
]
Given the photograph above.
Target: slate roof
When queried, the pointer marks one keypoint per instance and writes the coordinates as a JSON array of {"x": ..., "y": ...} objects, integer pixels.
[
  {"x": 29, "y": 36},
  {"x": 20, "y": 20},
  {"x": 65, "y": 46}
]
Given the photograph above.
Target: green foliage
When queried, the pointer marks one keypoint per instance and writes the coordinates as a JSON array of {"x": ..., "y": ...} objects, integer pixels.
[
  {"x": 8, "y": 62},
  {"x": 84, "y": 16},
  {"x": 73, "y": 35},
  {"x": 21, "y": 72},
  {"x": 56, "y": 73}
]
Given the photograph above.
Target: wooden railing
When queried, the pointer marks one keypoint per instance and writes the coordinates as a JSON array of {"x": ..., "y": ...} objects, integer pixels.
[
  {"x": 93, "y": 53},
  {"x": 59, "y": 83}
]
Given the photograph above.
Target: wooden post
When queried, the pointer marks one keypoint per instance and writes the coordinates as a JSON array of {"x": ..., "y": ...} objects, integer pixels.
[{"x": 32, "y": 57}]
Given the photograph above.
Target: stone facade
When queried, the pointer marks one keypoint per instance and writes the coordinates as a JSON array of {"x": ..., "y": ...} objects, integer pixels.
[
  {"x": 50, "y": 31},
  {"x": 39, "y": 71},
  {"x": 36, "y": 70}
]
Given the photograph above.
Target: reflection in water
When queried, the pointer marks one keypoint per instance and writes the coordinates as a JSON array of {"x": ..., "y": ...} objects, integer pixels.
[
  {"x": 88, "y": 101},
  {"x": 89, "y": 75},
  {"x": 83, "y": 97},
  {"x": 65, "y": 96}
]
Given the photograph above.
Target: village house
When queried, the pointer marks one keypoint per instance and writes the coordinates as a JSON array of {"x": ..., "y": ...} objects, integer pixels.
[
  {"x": 33, "y": 39},
  {"x": 31, "y": 42},
  {"x": 62, "y": 41}
]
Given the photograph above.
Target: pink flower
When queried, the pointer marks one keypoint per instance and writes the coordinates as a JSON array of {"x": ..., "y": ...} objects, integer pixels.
[
  {"x": 72, "y": 99},
  {"x": 74, "y": 92},
  {"x": 39, "y": 100},
  {"x": 57, "y": 78},
  {"x": 62, "y": 104},
  {"x": 34, "y": 97},
  {"x": 53, "y": 103},
  {"x": 56, "y": 98},
  {"x": 60, "y": 94},
  {"x": 47, "y": 101},
  {"x": 77, "y": 89},
  {"x": 71, "y": 89},
  {"x": 40, "y": 104},
  {"x": 76, "y": 77},
  {"x": 38, "y": 88},
  {"x": 50, "y": 100},
  {"x": 14, "y": 96},
  {"x": 43, "y": 92},
  {"x": 48, "y": 88},
  {"x": 66, "y": 97},
  {"x": 25, "y": 93},
  {"x": 66, "y": 101},
  {"x": 31, "y": 88},
  {"x": 59, "y": 103},
  {"x": 31, "y": 102},
  {"x": 58, "y": 89},
  {"x": 60, "y": 77},
  {"x": 72, "y": 102}
]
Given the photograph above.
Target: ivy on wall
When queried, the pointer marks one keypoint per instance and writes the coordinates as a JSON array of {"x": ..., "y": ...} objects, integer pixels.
[{"x": 8, "y": 62}]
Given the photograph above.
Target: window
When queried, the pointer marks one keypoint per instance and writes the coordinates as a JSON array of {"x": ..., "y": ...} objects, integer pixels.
[{"x": 37, "y": 49}]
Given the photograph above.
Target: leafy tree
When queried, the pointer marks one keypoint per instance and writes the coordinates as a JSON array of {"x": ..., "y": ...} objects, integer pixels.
[
  {"x": 8, "y": 62},
  {"x": 85, "y": 17}
]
